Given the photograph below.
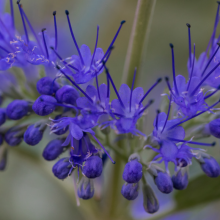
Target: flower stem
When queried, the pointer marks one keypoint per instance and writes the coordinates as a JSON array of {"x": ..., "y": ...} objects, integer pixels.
[{"x": 138, "y": 38}]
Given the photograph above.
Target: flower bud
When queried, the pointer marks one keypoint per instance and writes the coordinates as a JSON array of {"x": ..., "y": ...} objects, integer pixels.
[
  {"x": 53, "y": 149},
  {"x": 130, "y": 191},
  {"x": 151, "y": 204},
  {"x": 44, "y": 105},
  {"x": 214, "y": 127},
  {"x": 86, "y": 189},
  {"x": 13, "y": 138},
  {"x": 3, "y": 160},
  {"x": 46, "y": 86},
  {"x": 210, "y": 167},
  {"x": 1, "y": 139},
  {"x": 33, "y": 134},
  {"x": 17, "y": 109},
  {"x": 2, "y": 116},
  {"x": 163, "y": 182},
  {"x": 92, "y": 167},
  {"x": 67, "y": 94},
  {"x": 132, "y": 172},
  {"x": 180, "y": 180},
  {"x": 61, "y": 168}
]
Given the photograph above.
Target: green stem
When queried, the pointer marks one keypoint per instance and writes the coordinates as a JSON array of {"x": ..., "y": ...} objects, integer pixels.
[{"x": 138, "y": 38}]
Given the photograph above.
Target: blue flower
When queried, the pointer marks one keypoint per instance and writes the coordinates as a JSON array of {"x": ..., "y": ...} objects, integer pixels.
[
  {"x": 163, "y": 182},
  {"x": 210, "y": 167},
  {"x": 162, "y": 127},
  {"x": 130, "y": 191},
  {"x": 53, "y": 149},
  {"x": 180, "y": 180},
  {"x": 92, "y": 167},
  {"x": 44, "y": 105},
  {"x": 86, "y": 189},
  {"x": 62, "y": 168},
  {"x": 34, "y": 134},
  {"x": 85, "y": 66},
  {"x": 132, "y": 171},
  {"x": 17, "y": 109},
  {"x": 47, "y": 86},
  {"x": 13, "y": 137}
]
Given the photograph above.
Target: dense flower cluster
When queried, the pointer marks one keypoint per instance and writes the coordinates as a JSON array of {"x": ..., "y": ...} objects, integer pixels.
[{"x": 79, "y": 108}]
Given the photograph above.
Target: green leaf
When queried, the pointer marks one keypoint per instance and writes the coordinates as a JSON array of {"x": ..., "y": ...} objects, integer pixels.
[{"x": 201, "y": 190}]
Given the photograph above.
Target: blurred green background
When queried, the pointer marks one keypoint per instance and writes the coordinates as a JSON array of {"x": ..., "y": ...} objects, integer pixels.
[{"x": 29, "y": 191}]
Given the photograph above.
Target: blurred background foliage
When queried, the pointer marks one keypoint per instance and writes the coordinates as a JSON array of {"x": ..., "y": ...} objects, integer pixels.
[{"x": 28, "y": 189}]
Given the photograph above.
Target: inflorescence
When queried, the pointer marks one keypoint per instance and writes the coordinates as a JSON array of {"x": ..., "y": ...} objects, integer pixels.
[{"x": 78, "y": 108}]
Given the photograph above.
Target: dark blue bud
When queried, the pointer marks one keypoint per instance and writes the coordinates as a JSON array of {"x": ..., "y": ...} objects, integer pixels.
[
  {"x": 67, "y": 94},
  {"x": 12, "y": 138},
  {"x": 1, "y": 139},
  {"x": 130, "y": 191},
  {"x": 86, "y": 189},
  {"x": 151, "y": 204},
  {"x": 62, "y": 168},
  {"x": 2, "y": 116},
  {"x": 214, "y": 127},
  {"x": 53, "y": 149},
  {"x": 33, "y": 135},
  {"x": 44, "y": 105},
  {"x": 17, "y": 109},
  {"x": 61, "y": 131},
  {"x": 92, "y": 167},
  {"x": 47, "y": 86},
  {"x": 163, "y": 182},
  {"x": 132, "y": 172},
  {"x": 3, "y": 160},
  {"x": 211, "y": 167},
  {"x": 180, "y": 180},
  {"x": 104, "y": 158}
]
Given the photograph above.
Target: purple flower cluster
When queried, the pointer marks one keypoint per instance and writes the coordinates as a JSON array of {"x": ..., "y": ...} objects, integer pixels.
[{"x": 80, "y": 108}]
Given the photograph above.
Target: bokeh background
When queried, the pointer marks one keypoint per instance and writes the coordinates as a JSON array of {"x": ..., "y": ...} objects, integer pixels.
[{"x": 28, "y": 190}]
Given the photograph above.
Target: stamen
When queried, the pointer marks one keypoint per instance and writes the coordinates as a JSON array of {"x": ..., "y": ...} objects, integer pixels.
[
  {"x": 61, "y": 59},
  {"x": 168, "y": 84},
  {"x": 97, "y": 38},
  {"x": 203, "y": 80},
  {"x": 45, "y": 44},
  {"x": 146, "y": 106},
  {"x": 192, "y": 142},
  {"x": 132, "y": 87},
  {"x": 74, "y": 83},
  {"x": 113, "y": 41},
  {"x": 168, "y": 113},
  {"x": 74, "y": 39},
  {"x": 12, "y": 13},
  {"x": 158, "y": 81},
  {"x": 97, "y": 86},
  {"x": 24, "y": 25},
  {"x": 173, "y": 126},
  {"x": 216, "y": 24},
  {"x": 32, "y": 30},
  {"x": 194, "y": 52},
  {"x": 119, "y": 98},
  {"x": 189, "y": 36},
  {"x": 211, "y": 94},
  {"x": 173, "y": 66},
  {"x": 108, "y": 86},
  {"x": 212, "y": 37},
  {"x": 158, "y": 112},
  {"x": 103, "y": 149},
  {"x": 55, "y": 27},
  {"x": 211, "y": 59}
]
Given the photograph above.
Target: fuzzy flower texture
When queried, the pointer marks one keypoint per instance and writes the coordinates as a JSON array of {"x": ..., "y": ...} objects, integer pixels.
[{"x": 87, "y": 124}]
